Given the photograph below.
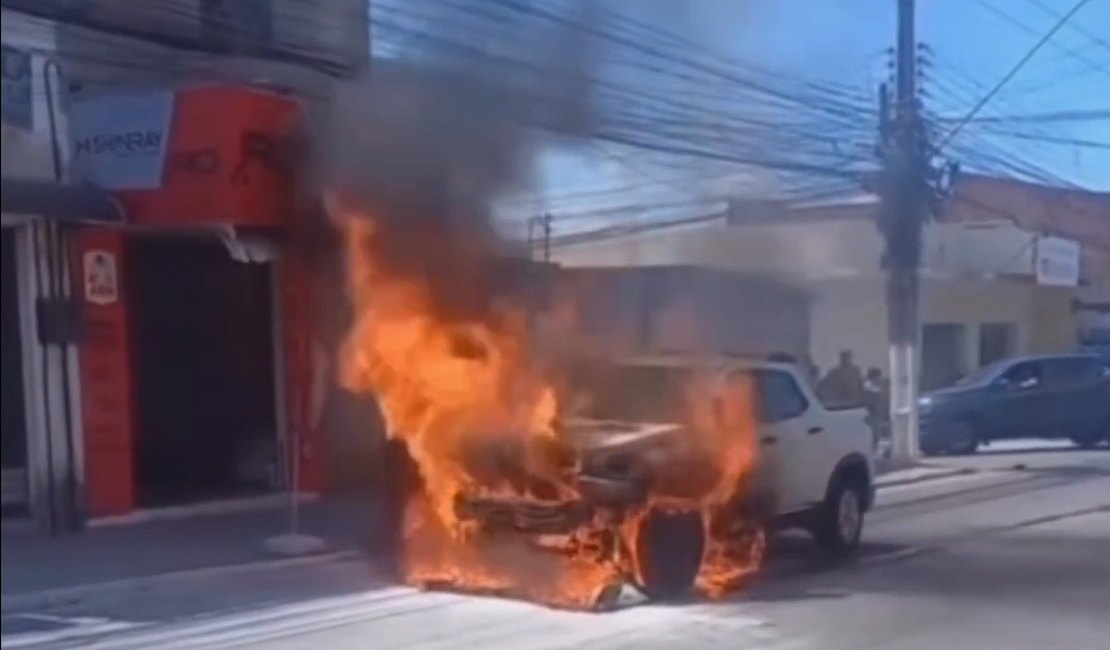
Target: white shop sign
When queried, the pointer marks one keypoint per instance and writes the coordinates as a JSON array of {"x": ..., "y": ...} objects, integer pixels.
[{"x": 1057, "y": 261}]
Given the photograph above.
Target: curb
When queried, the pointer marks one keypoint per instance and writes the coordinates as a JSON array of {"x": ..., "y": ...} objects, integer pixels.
[
  {"x": 962, "y": 471},
  {"x": 64, "y": 596}
]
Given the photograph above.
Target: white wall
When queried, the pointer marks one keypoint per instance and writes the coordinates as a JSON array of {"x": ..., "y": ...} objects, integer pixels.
[{"x": 28, "y": 154}]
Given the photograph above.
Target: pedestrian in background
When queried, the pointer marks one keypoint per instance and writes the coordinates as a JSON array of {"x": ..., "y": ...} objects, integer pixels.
[
  {"x": 876, "y": 389},
  {"x": 843, "y": 385}
]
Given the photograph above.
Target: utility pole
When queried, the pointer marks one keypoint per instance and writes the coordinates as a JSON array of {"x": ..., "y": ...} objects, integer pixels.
[
  {"x": 543, "y": 224},
  {"x": 905, "y": 206},
  {"x": 546, "y": 237}
]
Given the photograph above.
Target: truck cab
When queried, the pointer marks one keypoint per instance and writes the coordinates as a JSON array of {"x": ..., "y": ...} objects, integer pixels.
[{"x": 813, "y": 467}]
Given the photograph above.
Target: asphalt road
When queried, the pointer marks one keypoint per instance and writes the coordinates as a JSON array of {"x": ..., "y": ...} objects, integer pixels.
[{"x": 1011, "y": 557}]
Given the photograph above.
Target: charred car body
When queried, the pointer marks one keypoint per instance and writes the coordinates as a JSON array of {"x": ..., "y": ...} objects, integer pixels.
[{"x": 662, "y": 502}]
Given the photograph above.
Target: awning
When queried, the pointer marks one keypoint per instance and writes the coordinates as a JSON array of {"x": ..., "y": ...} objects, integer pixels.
[{"x": 65, "y": 202}]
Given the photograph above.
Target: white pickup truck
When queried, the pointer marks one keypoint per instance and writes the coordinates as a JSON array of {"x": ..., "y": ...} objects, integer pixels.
[
  {"x": 813, "y": 469},
  {"x": 814, "y": 462}
]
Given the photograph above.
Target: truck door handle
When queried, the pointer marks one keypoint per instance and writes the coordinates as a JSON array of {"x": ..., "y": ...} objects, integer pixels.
[
  {"x": 813, "y": 430},
  {"x": 769, "y": 440}
]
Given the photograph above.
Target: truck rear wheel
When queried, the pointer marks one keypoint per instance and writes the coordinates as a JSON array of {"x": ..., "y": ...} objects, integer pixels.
[
  {"x": 839, "y": 524},
  {"x": 669, "y": 549}
]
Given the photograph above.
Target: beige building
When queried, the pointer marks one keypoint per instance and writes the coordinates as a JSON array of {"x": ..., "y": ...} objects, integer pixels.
[{"x": 982, "y": 295}]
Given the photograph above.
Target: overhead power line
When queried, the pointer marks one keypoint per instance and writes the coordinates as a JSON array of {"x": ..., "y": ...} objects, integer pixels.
[
  {"x": 1077, "y": 55},
  {"x": 1012, "y": 73},
  {"x": 1089, "y": 115},
  {"x": 1078, "y": 28},
  {"x": 1051, "y": 139}
]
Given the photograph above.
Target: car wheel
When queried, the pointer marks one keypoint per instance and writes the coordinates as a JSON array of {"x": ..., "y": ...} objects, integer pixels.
[
  {"x": 840, "y": 521},
  {"x": 668, "y": 553},
  {"x": 402, "y": 483},
  {"x": 965, "y": 439}
]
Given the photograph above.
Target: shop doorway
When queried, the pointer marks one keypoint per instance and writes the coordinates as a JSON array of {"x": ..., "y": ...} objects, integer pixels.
[
  {"x": 13, "y": 435},
  {"x": 203, "y": 354}
]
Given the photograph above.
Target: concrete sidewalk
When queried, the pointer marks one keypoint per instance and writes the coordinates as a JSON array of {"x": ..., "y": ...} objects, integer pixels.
[{"x": 40, "y": 570}]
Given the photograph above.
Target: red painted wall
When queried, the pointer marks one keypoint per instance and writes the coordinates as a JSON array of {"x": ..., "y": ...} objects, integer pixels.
[
  {"x": 106, "y": 376},
  {"x": 225, "y": 165}
]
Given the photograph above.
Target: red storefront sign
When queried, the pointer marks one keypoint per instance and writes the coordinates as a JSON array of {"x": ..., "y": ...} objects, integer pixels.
[{"x": 208, "y": 156}]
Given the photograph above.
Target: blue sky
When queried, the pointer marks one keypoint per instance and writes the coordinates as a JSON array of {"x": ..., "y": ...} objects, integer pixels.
[{"x": 973, "y": 44}]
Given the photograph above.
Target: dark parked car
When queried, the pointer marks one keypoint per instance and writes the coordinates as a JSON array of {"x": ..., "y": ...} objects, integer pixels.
[{"x": 1058, "y": 396}]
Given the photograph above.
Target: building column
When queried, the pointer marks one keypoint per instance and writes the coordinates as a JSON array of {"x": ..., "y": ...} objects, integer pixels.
[{"x": 106, "y": 374}]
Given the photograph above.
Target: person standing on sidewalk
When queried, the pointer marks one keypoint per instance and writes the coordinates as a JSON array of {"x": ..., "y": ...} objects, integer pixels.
[{"x": 876, "y": 390}]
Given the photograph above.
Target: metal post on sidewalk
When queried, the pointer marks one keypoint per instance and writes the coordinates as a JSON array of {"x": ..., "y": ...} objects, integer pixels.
[{"x": 293, "y": 542}]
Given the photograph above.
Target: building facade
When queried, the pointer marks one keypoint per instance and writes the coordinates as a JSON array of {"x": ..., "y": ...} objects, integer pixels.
[
  {"x": 179, "y": 358},
  {"x": 985, "y": 289},
  {"x": 42, "y": 431}
]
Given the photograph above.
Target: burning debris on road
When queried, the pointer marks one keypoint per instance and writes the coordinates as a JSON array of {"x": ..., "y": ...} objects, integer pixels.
[{"x": 507, "y": 499}]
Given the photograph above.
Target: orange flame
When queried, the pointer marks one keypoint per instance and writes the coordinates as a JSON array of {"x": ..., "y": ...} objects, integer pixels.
[{"x": 456, "y": 383}]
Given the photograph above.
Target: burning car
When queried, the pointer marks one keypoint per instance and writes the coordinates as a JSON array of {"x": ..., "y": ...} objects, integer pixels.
[{"x": 665, "y": 473}]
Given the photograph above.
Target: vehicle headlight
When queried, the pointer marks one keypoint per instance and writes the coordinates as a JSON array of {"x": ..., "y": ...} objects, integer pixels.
[{"x": 925, "y": 402}]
